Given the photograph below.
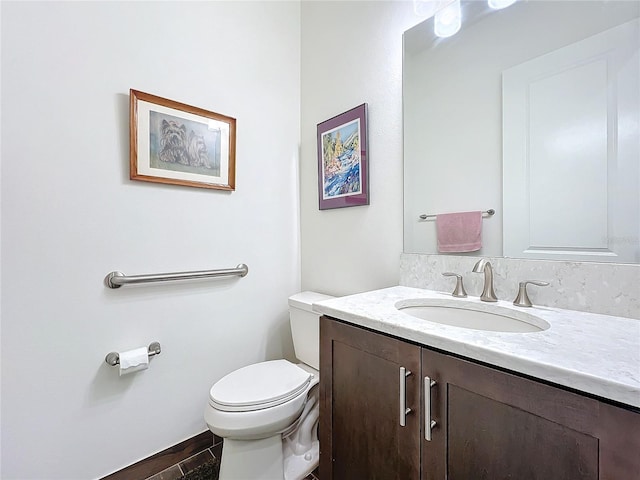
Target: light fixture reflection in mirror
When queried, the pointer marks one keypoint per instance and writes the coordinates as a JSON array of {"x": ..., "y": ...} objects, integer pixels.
[
  {"x": 425, "y": 8},
  {"x": 447, "y": 14},
  {"x": 447, "y": 22},
  {"x": 500, "y": 4}
]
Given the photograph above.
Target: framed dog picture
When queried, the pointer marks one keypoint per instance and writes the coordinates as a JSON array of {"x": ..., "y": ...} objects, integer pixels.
[
  {"x": 343, "y": 168},
  {"x": 174, "y": 143}
]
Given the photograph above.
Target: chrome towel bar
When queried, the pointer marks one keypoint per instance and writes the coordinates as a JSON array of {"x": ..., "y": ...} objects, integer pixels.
[
  {"x": 113, "y": 358},
  {"x": 117, "y": 279},
  {"x": 424, "y": 216}
]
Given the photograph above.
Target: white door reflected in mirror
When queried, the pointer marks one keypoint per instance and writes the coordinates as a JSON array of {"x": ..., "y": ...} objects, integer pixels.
[{"x": 572, "y": 175}]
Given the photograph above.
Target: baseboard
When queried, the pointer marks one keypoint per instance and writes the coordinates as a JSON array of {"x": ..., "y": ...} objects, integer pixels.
[{"x": 165, "y": 459}]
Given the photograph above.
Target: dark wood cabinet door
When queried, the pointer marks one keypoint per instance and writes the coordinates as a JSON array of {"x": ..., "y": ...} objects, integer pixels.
[
  {"x": 360, "y": 387},
  {"x": 494, "y": 425}
]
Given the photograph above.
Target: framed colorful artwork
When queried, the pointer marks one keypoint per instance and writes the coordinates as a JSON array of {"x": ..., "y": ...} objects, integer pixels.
[
  {"x": 174, "y": 143},
  {"x": 343, "y": 163}
]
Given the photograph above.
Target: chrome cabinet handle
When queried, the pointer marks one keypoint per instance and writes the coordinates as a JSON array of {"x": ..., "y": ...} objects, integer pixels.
[
  {"x": 404, "y": 373},
  {"x": 428, "y": 423}
]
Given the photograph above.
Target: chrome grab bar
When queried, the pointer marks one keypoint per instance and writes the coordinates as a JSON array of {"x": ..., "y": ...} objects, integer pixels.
[{"x": 117, "y": 279}]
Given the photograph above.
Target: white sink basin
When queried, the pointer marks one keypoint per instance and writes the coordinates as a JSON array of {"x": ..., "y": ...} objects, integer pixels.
[{"x": 466, "y": 314}]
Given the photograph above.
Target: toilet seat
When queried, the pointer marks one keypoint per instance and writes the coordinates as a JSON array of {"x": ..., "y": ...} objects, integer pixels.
[
  {"x": 247, "y": 422},
  {"x": 259, "y": 386}
]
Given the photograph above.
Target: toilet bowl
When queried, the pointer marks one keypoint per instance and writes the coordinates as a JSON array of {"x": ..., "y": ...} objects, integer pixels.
[{"x": 267, "y": 413}]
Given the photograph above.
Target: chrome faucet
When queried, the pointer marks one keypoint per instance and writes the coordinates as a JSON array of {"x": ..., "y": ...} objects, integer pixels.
[
  {"x": 483, "y": 266},
  {"x": 459, "y": 291},
  {"x": 522, "y": 300}
]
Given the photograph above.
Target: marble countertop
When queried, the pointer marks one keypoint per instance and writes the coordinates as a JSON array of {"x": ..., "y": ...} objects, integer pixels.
[{"x": 592, "y": 353}]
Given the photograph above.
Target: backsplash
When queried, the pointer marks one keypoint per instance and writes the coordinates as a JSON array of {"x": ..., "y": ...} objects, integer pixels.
[{"x": 607, "y": 288}]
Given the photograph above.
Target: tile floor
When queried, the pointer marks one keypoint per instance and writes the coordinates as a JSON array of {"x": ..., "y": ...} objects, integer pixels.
[
  {"x": 202, "y": 466},
  {"x": 313, "y": 475},
  {"x": 189, "y": 468}
]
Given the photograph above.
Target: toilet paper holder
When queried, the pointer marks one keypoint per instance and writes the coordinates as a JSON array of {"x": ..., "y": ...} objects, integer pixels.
[{"x": 113, "y": 358}]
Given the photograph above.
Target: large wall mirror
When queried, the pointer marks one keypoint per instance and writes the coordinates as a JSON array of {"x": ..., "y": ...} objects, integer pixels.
[{"x": 532, "y": 111}]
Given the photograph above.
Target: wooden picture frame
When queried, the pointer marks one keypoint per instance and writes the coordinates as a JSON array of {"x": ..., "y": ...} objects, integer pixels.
[
  {"x": 178, "y": 144},
  {"x": 343, "y": 160}
]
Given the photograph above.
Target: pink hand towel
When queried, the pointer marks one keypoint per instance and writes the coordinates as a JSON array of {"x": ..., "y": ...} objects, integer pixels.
[{"x": 459, "y": 232}]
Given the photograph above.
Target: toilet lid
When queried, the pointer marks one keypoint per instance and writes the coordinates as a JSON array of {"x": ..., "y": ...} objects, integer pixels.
[{"x": 259, "y": 386}]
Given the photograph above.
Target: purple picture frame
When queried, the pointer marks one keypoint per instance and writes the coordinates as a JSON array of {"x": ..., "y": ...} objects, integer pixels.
[{"x": 343, "y": 161}]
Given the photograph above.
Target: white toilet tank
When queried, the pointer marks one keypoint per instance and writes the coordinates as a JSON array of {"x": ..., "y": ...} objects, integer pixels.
[{"x": 305, "y": 326}]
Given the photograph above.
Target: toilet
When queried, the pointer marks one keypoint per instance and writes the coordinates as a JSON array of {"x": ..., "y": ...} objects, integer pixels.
[{"x": 267, "y": 413}]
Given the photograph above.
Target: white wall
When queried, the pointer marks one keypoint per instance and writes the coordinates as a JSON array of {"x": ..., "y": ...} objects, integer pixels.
[
  {"x": 70, "y": 215},
  {"x": 352, "y": 54}
]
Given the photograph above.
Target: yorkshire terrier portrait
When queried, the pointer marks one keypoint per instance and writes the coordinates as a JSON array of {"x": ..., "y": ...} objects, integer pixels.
[
  {"x": 173, "y": 140},
  {"x": 178, "y": 147},
  {"x": 197, "y": 150}
]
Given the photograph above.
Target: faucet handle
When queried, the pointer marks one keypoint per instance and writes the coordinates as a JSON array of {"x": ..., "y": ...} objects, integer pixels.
[
  {"x": 522, "y": 300},
  {"x": 459, "y": 290}
]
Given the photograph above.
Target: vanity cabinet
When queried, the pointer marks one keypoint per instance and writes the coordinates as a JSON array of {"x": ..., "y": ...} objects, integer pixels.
[
  {"x": 360, "y": 432},
  {"x": 489, "y": 424}
]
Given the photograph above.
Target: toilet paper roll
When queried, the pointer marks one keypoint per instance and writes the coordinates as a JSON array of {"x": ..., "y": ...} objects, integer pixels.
[{"x": 134, "y": 360}]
